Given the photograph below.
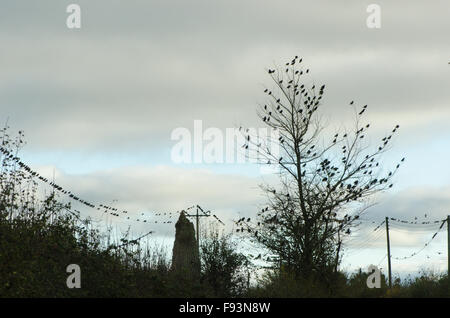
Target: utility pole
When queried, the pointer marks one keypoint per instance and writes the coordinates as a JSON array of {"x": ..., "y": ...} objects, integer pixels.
[
  {"x": 197, "y": 216},
  {"x": 248, "y": 276},
  {"x": 388, "y": 252},
  {"x": 198, "y": 230},
  {"x": 448, "y": 245},
  {"x": 197, "y": 223}
]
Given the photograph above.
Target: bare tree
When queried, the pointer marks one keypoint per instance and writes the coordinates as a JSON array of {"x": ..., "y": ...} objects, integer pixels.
[{"x": 325, "y": 178}]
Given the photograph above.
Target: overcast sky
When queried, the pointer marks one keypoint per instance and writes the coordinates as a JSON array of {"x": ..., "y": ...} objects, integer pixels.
[{"x": 98, "y": 104}]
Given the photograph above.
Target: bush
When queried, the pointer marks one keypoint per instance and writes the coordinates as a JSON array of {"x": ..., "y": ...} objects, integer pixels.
[{"x": 224, "y": 271}]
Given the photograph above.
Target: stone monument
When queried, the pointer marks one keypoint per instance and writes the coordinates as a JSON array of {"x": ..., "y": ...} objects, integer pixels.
[{"x": 185, "y": 255}]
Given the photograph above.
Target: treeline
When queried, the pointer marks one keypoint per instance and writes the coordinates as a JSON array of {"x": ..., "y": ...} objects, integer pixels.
[{"x": 40, "y": 237}]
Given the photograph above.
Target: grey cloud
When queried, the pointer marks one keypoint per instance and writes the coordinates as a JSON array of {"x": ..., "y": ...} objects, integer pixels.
[
  {"x": 167, "y": 63},
  {"x": 414, "y": 202}
]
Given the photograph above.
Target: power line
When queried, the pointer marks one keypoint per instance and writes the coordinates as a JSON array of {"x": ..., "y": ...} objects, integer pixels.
[
  {"x": 425, "y": 246},
  {"x": 361, "y": 248},
  {"x": 415, "y": 222},
  {"x": 384, "y": 257},
  {"x": 127, "y": 242},
  {"x": 100, "y": 207},
  {"x": 399, "y": 225}
]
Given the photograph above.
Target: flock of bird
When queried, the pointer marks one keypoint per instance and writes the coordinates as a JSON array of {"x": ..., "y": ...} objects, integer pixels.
[
  {"x": 416, "y": 222},
  {"x": 409, "y": 225},
  {"x": 300, "y": 109},
  {"x": 100, "y": 207},
  {"x": 427, "y": 243},
  {"x": 305, "y": 106},
  {"x": 202, "y": 214}
]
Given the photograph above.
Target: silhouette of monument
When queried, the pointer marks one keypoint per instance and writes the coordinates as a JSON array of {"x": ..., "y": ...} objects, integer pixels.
[{"x": 185, "y": 255}]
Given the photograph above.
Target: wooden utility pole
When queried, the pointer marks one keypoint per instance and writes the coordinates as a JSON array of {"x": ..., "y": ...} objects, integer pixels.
[
  {"x": 248, "y": 275},
  {"x": 198, "y": 230},
  {"x": 388, "y": 252},
  {"x": 197, "y": 216},
  {"x": 448, "y": 245},
  {"x": 197, "y": 222}
]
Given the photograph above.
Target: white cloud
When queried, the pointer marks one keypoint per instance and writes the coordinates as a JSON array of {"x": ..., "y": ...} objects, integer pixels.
[{"x": 162, "y": 189}]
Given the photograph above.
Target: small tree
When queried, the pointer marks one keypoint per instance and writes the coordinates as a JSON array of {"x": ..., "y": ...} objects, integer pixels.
[
  {"x": 223, "y": 268},
  {"x": 325, "y": 177}
]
